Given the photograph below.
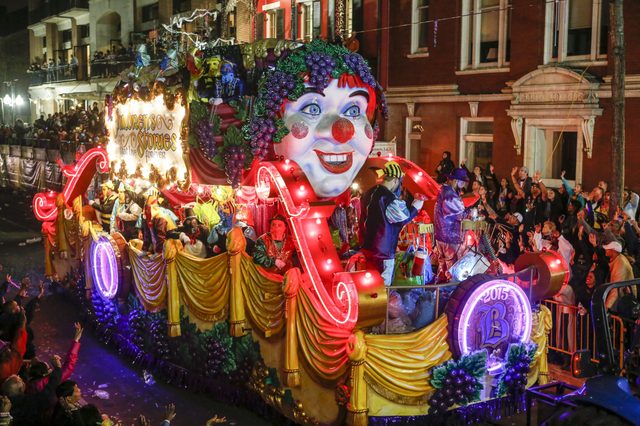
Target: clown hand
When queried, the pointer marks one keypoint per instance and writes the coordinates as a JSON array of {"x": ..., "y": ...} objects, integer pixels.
[
  {"x": 280, "y": 264},
  {"x": 215, "y": 101},
  {"x": 418, "y": 203}
]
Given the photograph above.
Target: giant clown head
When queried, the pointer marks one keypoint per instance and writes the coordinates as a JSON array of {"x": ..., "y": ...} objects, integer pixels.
[{"x": 317, "y": 108}]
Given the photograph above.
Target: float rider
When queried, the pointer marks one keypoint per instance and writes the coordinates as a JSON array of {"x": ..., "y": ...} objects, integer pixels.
[
  {"x": 383, "y": 217},
  {"x": 448, "y": 214}
]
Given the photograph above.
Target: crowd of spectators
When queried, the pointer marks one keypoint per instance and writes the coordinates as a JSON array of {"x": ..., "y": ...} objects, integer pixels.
[
  {"x": 599, "y": 245},
  {"x": 38, "y": 392},
  {"x": 78, "y": 126}
]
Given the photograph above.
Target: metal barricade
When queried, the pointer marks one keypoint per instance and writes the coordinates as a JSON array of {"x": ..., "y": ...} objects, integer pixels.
[{"x": 573, "y": 331}]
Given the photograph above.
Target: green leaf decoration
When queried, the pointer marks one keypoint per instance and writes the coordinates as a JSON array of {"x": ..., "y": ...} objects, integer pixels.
[{"x": 473, "y": 364}]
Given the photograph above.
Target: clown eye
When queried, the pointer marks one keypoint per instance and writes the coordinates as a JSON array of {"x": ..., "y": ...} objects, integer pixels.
[
  {"x": 312, "y": 109},
  {"x": 352, "y": 111}
]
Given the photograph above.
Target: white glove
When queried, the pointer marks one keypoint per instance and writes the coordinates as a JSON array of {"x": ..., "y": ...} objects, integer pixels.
[
  {"x": 92, "y": 202},
  {"x": 280, "y": 264},
  {"x": 418, "y": 204},
  {"x": 215, "y": 101},
  {"x": 184, "y": 239}
]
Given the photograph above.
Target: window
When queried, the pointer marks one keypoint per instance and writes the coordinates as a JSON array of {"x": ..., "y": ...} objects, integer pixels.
[
  {"x": 150, "y": 12},
  {"x": 66, "y": 36},
  {"x": 420, "y": 26},
  {"x": 305, "y": 21},
  {"x": 576, "y": 30},
  {"x": 180, "y": 6},
  {"x": 83, "y": 31},
  {"x": 486, "y": 34},
  {"x": 274, "y": 27},
  {"x": 348, "y": 18},
  {"x": 260, "y": 26},
  {"x": 476, "y": 141},
  {"x": 551, "y": 146}
]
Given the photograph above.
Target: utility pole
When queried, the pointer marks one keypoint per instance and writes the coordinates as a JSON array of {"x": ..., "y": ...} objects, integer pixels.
[{"x": 616, "y": 41}]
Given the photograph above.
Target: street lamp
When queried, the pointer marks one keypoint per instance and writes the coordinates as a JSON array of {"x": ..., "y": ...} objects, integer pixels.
[{"x": 12, "y": 101}]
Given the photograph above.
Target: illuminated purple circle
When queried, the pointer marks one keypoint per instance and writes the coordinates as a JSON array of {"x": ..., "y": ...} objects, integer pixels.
[
  {"x": 495, "y": 314},
  {"x": 104, "y": 267}
]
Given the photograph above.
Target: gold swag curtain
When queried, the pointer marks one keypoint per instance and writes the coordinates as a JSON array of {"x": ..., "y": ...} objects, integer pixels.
[
  {"x": 263, "y": 296},
  {"x": 322, "y": 343},
  {"x": 540, "y": 329},
  {"x": 398, "y": 366},
  {"x": 149, "y": 277},
  {"x": 203, "y": 285}
]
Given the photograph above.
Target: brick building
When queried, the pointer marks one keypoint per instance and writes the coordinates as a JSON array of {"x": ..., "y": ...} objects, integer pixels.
[{"x": 510, "y": 82}]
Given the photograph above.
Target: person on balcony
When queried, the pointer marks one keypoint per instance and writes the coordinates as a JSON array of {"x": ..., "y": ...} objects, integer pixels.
[
  {"x": 449, "y": 212},
  {"x": 274, "y": 250},
  {"x": 383, "y": 217}
]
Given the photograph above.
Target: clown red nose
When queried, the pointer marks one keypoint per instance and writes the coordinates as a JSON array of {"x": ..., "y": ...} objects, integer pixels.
[{"x": 342, "y": 130}]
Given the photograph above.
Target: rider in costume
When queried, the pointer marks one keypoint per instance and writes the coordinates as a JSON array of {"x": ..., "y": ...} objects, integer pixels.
[
  {"x": 449, "y": 212},
  {"x": 384, "y": 215}
]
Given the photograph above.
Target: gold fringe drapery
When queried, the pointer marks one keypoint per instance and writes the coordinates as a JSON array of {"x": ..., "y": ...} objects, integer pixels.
[
  {"x": 398, "y": 366},
  {"x": 322, "y": 343},
  {"x": 263, "y": 296},
  {"x": 203, "y": 285},
  {"x": 149, "y": 277},
  {"x": 540, "y": 329}
]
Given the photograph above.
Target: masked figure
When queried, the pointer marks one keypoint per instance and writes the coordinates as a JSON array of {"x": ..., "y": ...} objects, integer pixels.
[
  {"x": 125, "y": 214},
  {"x": 383, "y": 216},
  {"x": 193, "y": 235},
  {"x": 275, "y": 249},
  {"x": 157, "y": 225},
  {"x": 104, "y": 205},
  {"x": 228, "y": 87},
  {"x": 449, "y": 212}
]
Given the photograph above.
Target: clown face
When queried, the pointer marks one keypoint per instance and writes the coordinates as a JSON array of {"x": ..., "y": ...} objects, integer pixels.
[{"x": 330, "y": 136}]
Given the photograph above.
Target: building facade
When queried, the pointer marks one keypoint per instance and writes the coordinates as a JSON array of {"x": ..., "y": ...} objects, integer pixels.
[
  {"x": 509, "y": 82},
  {"x": 78, "y": 47}
]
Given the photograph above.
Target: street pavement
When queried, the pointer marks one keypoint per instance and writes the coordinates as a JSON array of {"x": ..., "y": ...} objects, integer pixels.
[{"x": 106, "y": 380}]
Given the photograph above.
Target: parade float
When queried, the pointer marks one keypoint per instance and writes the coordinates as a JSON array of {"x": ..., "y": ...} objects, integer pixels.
[{"x": 239, "y": 134}]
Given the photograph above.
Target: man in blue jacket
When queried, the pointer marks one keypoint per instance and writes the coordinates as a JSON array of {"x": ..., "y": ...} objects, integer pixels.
[
  {"x": 383, "y": 216},
  {"x": 448, "y": 215}
]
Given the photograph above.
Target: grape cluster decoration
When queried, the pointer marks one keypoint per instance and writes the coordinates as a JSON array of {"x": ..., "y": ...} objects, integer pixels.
[
  {"x": 234, "y": 156},
  {"x": 315, "y": 63},
  {"x": 457, "y": 382},
  {"x": 516, "y": 369},
  {"x": 204, "y": 135}
]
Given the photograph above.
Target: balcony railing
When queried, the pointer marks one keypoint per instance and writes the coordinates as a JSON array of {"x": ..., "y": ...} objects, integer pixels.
[
  {"x": 57, "y": 74},
  {"x": 102, "y": 68}
]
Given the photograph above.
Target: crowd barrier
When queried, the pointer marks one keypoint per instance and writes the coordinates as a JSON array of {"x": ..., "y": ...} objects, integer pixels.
[
  {"x": 33, "y": 169},
  {"x": 573, "y": 331}
]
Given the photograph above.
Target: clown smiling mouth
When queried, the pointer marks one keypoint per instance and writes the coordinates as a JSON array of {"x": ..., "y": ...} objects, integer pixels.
[{"x": 335, "y": 163}]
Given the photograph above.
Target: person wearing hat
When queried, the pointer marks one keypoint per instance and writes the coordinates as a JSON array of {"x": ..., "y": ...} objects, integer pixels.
[
  {"x": 619, "y": 270},
  {"x": 104, "y": 205},
  {"x": 193, "y": 235},
  {"x": 448, "y": 214},
  {"x": 125, "y": 214},
  {"x": 274, "y": 250},
  {"x": 384, "y": 215},
  {"x": 157, "y": 225}
]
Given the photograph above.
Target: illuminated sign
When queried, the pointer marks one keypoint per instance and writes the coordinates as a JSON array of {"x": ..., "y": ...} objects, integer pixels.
[
  {"x": 144, "y": 133},
  {"x": 105, "y": 266},
  {"x": 492, "y": 315}
]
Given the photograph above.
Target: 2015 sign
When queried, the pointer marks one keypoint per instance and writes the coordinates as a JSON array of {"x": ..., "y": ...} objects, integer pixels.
[{"x": 488, "y": 314}]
